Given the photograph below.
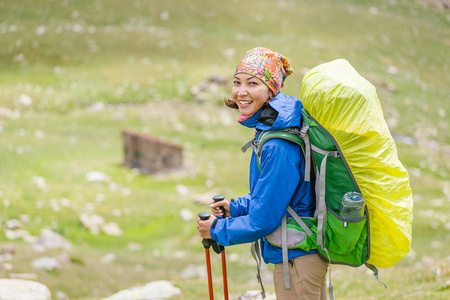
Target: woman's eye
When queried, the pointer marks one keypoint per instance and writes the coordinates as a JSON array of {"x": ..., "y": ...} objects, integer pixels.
[
  {"x": 236, "y": 82},
  {"x": 253, "y": 83}
]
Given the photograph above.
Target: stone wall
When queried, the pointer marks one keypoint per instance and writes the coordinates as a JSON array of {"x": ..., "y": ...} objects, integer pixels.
[{"x": 150, "y": 154}]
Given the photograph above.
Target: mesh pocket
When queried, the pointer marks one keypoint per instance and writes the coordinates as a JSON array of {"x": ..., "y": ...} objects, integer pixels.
[
  {"x": 342, "y": 235},
  {"x": 347, "y": 242}
]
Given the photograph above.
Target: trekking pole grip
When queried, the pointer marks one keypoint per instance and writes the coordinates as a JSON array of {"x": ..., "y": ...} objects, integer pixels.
[
  {"x": 207, "y": 243},
  {"x": 204, "y": 216},
  {"x": 217, "y": 199}
]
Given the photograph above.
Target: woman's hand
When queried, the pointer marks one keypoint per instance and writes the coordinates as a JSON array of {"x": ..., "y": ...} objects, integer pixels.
[
  {"x": 215, "y": 208},
  {"x": 204, "y": 227}
]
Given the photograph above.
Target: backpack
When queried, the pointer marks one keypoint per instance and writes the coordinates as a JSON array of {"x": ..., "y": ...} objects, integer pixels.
[{"x": 347, "y": 148}]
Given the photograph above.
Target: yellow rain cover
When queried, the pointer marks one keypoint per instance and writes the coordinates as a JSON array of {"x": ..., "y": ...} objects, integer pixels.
[{"x": 347, "y": 106}]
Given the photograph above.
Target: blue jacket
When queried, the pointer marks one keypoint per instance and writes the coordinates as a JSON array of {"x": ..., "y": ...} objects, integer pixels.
[{"x": 279, "y": 184}]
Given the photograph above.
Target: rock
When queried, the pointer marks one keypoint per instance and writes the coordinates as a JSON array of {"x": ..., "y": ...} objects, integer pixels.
[
  {"x": 441, "y": 4},
  {"x": 7, "y": 266},
  {"x": 194, "y": 271},
  {"x": 392, "y": 70},
  {"x": 256, "y": 295},
  {"x": 6, "y": 113},
  {"x": 92, "y": 222},
  {"x": 24, "y": 218},
  {"x": 182, "y": 189},
  {"x": 204, "y": 199},
  {"x": 60, "y": 295},
  {"x": 19, "y": 289},
  {"x": 25, "y": 276},
  {"x": 13, "y": 224},
  {"x": 106, "y": 259},
  {"x": 154, "y": 290},
  {"x": 133, "y": 246},
  {"x": 63, "y": 258},
  {"x": 16, "y": 234},
  {"x": 51, "y": 240},
  {"x": 40, "y": 182},
  {"x": 8, "y": 249},
  {"x": 30, "y": 239},
  {"x": 219, "y": 79},
  {"x": 233, "y": 256},
  {"x": 211, "y": 87},
  {"x": 95, "y": 223},
  {"x": 179, "y": 254},
  {"x": 95, "y": 176},
  {"x": 186, "y": 215},
  {"x": 138, "y": 268},
  {"x": 46, "y": 263},
  {"x": 96, "y": 107},
  {"x": 25, "y": 100},
  {"x": 65, "y": 202},
  {"x": 5, "y": 257},
  {"x": 112, "y": 228}
]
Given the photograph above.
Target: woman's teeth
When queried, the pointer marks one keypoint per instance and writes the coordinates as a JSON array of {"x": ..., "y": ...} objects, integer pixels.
[{"x": 245, "y": 102}]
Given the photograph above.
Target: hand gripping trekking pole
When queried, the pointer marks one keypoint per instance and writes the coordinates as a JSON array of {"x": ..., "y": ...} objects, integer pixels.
[
  {"x": 217, "y": 199},
  {"x": 224, "y": 262}
]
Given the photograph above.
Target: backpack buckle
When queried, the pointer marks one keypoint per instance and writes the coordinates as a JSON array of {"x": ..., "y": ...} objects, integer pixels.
[
  {"x": 304, "y": 131},
  {"x": 251, "y": 144},
  {"x": 292, "y": 130}
]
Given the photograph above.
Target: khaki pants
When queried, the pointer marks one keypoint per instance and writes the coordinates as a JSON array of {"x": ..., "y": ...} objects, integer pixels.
[{"x": 307, "y": 275}]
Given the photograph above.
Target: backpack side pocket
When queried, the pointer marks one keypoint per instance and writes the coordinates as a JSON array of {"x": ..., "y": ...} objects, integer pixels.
[
  {"x": 296, "y": 236},
  {"x": 346, "y": 240}
]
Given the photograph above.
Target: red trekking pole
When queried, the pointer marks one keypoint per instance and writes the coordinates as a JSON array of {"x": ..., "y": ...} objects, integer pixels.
[
  {"x": 207, "y": 243},
  {"x": 224, "y": 262}
]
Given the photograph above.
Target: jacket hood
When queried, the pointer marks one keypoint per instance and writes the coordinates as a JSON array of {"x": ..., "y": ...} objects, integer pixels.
[{"x": 283, "y": 112}]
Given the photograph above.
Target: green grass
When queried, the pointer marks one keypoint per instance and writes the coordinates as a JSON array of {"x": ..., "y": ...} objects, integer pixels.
[{"x": 140, "y": 59}]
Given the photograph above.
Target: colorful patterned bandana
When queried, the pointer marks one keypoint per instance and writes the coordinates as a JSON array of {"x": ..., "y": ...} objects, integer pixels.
[{"x": 270, "y": 67}]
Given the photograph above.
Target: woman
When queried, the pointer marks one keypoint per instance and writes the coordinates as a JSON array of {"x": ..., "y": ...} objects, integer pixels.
[{"x": 258, "y": 79}]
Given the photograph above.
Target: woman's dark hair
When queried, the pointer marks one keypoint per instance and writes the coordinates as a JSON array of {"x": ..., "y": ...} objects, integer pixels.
[{"x": 231, "y": 104}]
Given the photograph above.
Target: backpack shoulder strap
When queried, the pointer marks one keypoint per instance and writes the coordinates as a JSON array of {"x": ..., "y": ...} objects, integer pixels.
[{"x": 289, "y": 134}]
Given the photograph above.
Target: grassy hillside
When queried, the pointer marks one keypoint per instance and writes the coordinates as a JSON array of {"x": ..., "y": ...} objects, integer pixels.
[{"x": 75, "y": 73}]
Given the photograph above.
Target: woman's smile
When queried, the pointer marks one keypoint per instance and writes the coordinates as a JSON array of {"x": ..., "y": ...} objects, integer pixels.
[{"x": 245, "y": 103}]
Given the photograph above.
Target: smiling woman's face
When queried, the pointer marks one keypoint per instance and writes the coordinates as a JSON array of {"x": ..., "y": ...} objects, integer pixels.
[{"x": 249, "y": 93}]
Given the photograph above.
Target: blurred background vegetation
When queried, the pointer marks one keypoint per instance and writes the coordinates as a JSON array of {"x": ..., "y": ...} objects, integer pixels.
[{"x": 73, "y": 74}]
